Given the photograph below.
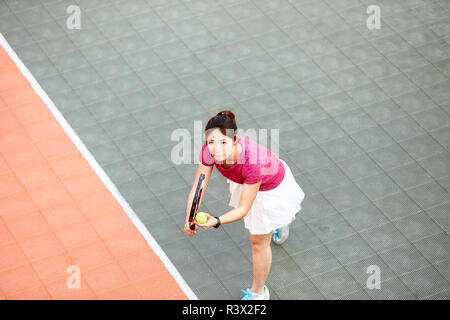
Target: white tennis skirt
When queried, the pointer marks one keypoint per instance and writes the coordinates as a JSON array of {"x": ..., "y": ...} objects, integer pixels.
[{"x": 271, "y": 209}]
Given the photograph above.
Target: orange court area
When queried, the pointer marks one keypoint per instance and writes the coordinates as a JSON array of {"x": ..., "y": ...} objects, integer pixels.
[{"x": 56, "y": 213}]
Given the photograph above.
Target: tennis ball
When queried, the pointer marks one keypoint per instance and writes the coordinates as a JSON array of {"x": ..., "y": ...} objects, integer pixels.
[{"x": 201, "y": 217}]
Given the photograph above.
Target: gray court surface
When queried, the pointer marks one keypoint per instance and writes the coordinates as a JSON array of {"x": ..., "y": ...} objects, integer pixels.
[{"x": 363, "y": 118}]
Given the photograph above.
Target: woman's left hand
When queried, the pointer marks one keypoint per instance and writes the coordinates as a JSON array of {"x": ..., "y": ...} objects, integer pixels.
[{"x": 211, "y": 222}]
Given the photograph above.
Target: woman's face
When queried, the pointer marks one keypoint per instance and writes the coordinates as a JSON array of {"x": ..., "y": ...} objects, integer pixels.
[{"x": 220, "y": 146}]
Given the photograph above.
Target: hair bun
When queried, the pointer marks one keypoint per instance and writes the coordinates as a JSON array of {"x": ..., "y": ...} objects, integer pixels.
[
  {"x": 227, "y": 113},
  {"x": 222, "y": 121}
]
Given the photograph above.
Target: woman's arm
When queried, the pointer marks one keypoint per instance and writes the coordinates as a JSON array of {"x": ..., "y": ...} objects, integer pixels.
[
  {"x": 207, "y": 171},
  {"x": 248, "y": 195}
]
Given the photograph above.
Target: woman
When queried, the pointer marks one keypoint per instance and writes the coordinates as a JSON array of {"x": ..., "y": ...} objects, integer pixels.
[{"x": 263, "y": 192}]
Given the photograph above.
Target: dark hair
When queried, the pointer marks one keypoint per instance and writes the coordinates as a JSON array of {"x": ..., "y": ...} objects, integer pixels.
[{"x": 225, "y": 121}]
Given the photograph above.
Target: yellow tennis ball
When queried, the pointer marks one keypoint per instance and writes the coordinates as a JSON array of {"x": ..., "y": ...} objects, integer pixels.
[{"x": 201, "y": 217}]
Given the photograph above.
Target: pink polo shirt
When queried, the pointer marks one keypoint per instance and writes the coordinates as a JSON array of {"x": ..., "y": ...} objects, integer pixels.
[{"x": 255, "y": 163}]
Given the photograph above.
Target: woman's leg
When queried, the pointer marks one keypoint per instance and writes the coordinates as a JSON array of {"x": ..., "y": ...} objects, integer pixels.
[{"x": 262, "y": 260}]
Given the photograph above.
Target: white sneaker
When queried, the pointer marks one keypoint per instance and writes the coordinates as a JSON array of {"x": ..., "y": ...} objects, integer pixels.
[
  {"x": 280, "y": 235},
  {"x": 249, "y": 295}
]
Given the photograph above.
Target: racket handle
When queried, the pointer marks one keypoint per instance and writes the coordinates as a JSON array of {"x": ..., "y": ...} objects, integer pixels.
[{"x": 191, "y": 226}]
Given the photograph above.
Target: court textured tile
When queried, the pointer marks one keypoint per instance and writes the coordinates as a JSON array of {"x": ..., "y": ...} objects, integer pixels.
[
  {"x": 57, "y": 215},
  {"x": 367, "y": 106}
]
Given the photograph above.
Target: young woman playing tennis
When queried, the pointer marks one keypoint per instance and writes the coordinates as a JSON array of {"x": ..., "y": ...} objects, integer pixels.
[{"x": 263, "y": 192}]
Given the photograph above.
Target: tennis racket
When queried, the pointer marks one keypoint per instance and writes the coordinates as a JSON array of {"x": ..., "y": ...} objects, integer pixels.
[{"x": 196, "y": 201}]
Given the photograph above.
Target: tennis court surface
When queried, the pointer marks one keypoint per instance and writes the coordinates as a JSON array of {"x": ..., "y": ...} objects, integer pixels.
[
  {"x": 87, "y": 178},
  {"x": 57, "y": 213}
]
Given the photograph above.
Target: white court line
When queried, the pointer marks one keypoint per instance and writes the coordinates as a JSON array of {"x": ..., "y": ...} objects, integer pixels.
[{"x": 101, "y": 174}]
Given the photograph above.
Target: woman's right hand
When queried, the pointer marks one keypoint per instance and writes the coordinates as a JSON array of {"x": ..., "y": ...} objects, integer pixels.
[{"x": 188, "y": 231}]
